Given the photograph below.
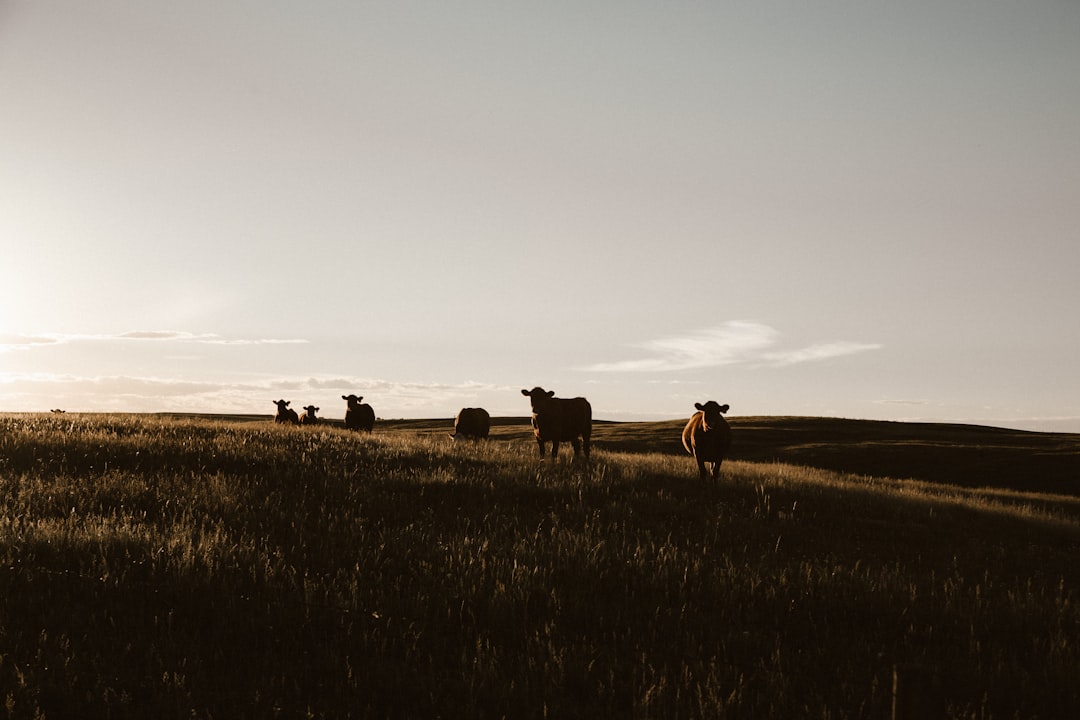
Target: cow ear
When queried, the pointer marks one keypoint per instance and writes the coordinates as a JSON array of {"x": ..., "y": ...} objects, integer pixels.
[
  {"x": 699, "y": 406},
  {"x": 344, "y": 397},
  {"x": 551, "y": 393},
  {"x": 724, "y": 408},
  {"x": 525, "y": 392}
]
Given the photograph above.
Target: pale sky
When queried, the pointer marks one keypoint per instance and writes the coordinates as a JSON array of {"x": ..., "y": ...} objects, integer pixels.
[{"x": 853, "y": 209}]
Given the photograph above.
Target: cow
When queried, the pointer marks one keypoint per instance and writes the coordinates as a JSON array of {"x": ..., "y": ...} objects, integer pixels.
[
  {"x": 358, "y": 416},
  {"x": 559, "y": 419},
  {"x": 707, "y": 436},
  {"x": 308, "y": 418},
  {"x": 472, "y": 424},
  {"x": 285, "y": 414}
]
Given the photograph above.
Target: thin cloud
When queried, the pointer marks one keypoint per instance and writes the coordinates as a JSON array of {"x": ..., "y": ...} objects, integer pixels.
[
  {"x": 22, "y": 342},
  {"x": 206, "y": 338},
  {"x": 823, "y": 351},
  {"x": 734, "y": 342},
  {"x": 157, "y": 335},
  {"x": 13, "y": 342},
  {"x": 727, "y": 344}
]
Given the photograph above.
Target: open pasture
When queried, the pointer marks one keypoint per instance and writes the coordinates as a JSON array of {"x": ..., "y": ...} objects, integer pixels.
[
  {"x": 153, "y": 566},
  {"x": 960, "y": 455}
]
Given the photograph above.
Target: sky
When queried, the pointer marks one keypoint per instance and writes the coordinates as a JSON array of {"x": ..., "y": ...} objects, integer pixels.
[{"x": 849, "y": 209}]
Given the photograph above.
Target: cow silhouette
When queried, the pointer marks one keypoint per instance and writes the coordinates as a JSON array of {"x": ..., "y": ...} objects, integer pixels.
[
  {"x": 558, "y": 420},
  {"x": 285, "y": 414},
  {"x": 358, "y": 416},
  {"x": 707, "y": 436},
  {"x": 472, "y": 424}
]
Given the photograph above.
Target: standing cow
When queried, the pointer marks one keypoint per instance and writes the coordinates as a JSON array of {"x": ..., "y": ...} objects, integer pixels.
[
  {"x": 558, "y": 419},
  {"x": 472, "y": 424},
  {"x": 285, "y": 414},
  {"x": 358, "y": 416},
  {"x": 707, "y": 436}
]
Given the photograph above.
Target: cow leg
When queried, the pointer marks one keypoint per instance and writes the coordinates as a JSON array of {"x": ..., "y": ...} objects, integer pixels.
[
  {"x": 585, "y": 444},
  {"x": 716, "y": 470},
  {"x": 576, "y": 444},
  {"x": 701, "y": 469},
  {"x": 541, "y": 444},
  {"x": 554, "y": 449}
]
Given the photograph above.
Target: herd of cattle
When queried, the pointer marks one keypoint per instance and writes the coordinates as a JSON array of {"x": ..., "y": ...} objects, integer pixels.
[{"x": 707, "y": 435}]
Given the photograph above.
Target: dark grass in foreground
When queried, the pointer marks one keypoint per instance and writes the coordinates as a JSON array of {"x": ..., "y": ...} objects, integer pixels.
[{"x": 162, "y": 568}]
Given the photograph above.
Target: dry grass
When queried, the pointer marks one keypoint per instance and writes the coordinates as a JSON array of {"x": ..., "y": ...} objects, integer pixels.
[{"x": 197, "y": 568}]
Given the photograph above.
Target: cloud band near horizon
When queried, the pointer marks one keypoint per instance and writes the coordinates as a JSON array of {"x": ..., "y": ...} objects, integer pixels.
[{"x": 129, "y": 393}]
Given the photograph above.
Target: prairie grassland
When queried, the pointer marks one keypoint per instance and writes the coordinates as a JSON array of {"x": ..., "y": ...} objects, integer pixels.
[{"x": 152, "y": 567}]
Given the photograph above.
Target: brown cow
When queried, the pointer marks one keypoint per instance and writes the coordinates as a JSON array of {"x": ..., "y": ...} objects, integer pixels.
[
  {"x": 472, "y": 424},
  {"x": 358, "y": 416},
  {"x": 285, "y": 414},
  {"x": 707, "y": 436},
  {"x": 558, "y": 419},
  {"x": 308, "y": 418}
]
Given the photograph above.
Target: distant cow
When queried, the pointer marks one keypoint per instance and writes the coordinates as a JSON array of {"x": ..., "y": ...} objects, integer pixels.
[
  {"x": 707, "y": 436},
  {"x": 557, "y": 419},
  {"x": 358, "y": 416},
  {"x": 285, "y": 414},
  {"x": 472, "y": 424},
  {"x": 308, "y": 418}
]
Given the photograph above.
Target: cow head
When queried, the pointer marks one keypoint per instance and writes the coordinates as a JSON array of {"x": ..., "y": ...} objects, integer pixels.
[
  {"x": 352, "y": 400},
  {"x": 282, "y": 405},
  {"x": 539, "y": 397},
  {"x": 712, "y": 413},
  {"x": 311, "y": 410}
]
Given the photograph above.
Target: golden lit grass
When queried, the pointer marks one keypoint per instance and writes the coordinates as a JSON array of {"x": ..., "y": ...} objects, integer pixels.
[{"x": 156, "y": 567}]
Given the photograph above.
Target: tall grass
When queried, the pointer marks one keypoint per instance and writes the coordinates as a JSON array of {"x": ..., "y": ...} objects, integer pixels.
[{"x": 161, "y": 568}]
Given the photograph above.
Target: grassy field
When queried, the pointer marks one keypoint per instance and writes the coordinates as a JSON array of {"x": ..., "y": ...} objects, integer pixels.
[{"x": 155, "y": 566}]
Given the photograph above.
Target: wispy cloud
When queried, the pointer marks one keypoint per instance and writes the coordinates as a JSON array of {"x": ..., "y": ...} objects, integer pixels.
[
  {"x": 155, "y": 335},
  {"x": 734, "y": 342},
  {"x": 23, "y": 342},
  {"x": 18, "y": 342},
  {"x": 726, "y": 344},
  {"x": 822, "y": 351}
]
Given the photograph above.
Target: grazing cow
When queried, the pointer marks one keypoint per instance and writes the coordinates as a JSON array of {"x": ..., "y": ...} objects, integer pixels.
[
  {"x": 308, "y": 418},
  {"x": 285, "y": 414},
  {"x": 472, "y": 424},
  {"x": 707, "y": 436},
  {"x": 58, "y": 411},
  {"x": 559, "y": 419},
  {"x": 358, "y": 416}
]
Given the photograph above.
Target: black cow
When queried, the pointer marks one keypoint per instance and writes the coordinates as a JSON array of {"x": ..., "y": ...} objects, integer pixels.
[
  {"x": 358, "y": 416},
  {"x": 285, "y": 414},
  {"x": 308, "y": 418},
  {"x": 472, "y": 424},
  {"x": 707, "y": 436},
  {"x": 558, "y": 419}
]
